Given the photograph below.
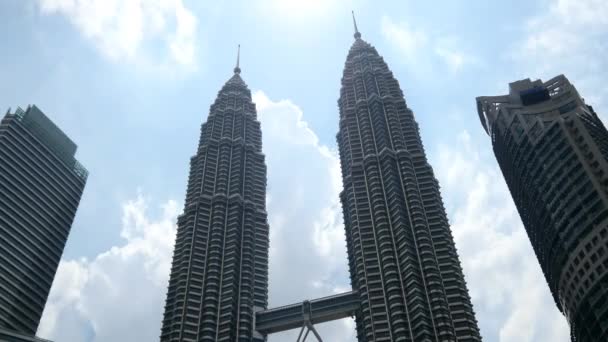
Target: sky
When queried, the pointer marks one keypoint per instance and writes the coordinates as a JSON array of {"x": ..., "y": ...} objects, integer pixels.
[{"x": 131, "y": 81}]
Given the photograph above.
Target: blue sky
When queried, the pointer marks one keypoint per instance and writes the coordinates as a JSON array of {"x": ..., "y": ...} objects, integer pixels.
[{"x": 130, "y": 81}]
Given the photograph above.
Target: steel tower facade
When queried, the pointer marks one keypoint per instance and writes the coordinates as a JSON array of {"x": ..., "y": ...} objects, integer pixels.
[
  {"x": 553, "y": 152},
  {"x": 402, "y": 259},
  {"x": 219, "y": 275},
  {"x": 40, "y": 188}
]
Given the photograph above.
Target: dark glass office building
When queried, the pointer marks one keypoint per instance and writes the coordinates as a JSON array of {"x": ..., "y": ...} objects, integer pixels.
[
  {"x": 40, "y": 188},
  {"x": 219, "y": 275},
  {"x": 402, "y": 259},
  {"x": 553, "y": 152},
  {"x": 12, "y": 336}
]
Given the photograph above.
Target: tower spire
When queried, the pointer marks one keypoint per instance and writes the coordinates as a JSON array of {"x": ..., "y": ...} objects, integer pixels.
[
  {"x": 357, "y": 34},
  {"x": 237, "y": 69}
]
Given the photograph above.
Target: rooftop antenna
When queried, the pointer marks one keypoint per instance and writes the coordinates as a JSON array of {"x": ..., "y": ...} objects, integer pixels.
[
  {"x": 237, "y": 69},
  {"x": 357, "y": 34}
]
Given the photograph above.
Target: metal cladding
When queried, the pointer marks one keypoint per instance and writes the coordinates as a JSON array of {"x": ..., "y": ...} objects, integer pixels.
[
  {"x": 40, "y": 188},
  {"x": 402, "y": 259},
  {"x": 219, "y": 275},
  {"x": 553, "y": 152}
]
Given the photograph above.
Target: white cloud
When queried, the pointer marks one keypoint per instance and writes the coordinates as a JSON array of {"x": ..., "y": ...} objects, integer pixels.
[
  {"x": 126, "y": 29},
  {"x": 119, "y": 295},
  {"x": 300, "y": 10},
  {"x": 409, "y": 41},
  {"x": 511, "y": 298},
  {"x": 570, "y": 38},
  {"x": 454, "y": 59},
  {"x": 419, "y": 47},
  {"x": 307, "y": 244}
]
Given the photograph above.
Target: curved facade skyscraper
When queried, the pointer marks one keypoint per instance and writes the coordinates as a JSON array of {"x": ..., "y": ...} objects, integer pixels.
[
  {"x": 402, "y": 259},
  {"x": 553, "y": 152},
  {"x": 219, "y": 275}
]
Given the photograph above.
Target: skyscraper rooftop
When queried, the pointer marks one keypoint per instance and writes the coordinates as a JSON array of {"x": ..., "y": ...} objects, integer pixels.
[{"x": 552, "y": 149}]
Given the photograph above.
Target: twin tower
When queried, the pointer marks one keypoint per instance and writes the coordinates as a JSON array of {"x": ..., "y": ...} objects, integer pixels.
[{"x": 407, "y": 283}]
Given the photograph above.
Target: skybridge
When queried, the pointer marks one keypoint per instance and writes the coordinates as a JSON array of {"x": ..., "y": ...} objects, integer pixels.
[{"x": 306, "y": 314}]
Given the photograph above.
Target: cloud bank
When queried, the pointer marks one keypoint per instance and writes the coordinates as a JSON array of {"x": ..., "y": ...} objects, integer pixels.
[
  {"x": 416, "y": 45},
  {"x": 571, "y": 38},
  {"x": 307, "y": 243},
  {"x": 119, "y": 295},
  {"x": 511, "y": 298},
  {"x": 126, "y": 29}
]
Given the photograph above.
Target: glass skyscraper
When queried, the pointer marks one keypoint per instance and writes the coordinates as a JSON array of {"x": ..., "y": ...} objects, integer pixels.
[
  {"x": 40, "y": 188},
  {"x": 553, "y": 152}
]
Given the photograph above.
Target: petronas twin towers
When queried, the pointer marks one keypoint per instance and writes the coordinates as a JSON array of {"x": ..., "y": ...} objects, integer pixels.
[
  {"x": 219, "y": 275},
  {"x": 407, "y": 283},
  {"x": 402, "y": 259}
]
